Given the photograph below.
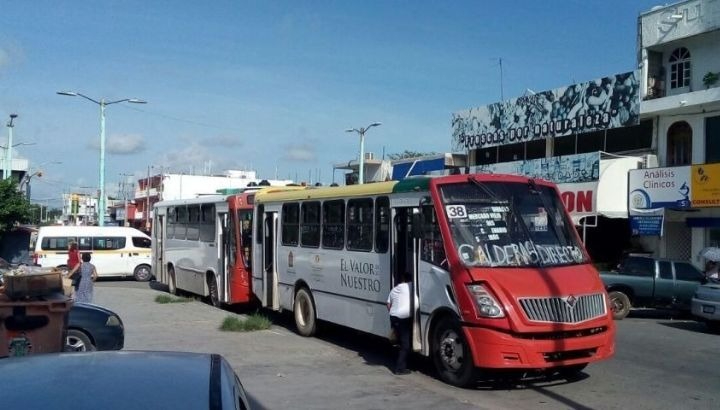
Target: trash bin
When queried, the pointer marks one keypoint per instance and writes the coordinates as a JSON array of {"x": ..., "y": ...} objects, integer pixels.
[{"x": 33, "y": 326}]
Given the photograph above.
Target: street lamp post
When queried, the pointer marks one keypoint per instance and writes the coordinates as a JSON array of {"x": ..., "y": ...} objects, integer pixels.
[
  {"x": 102, "y": 103},
  {"x": 7, "y": 168},
  {"x": 362, "y": 132}
]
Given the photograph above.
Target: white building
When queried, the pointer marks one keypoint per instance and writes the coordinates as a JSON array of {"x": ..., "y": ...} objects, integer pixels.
[
  {"x": 679, "y": 58},
  {"x": 167, "y": 186}
]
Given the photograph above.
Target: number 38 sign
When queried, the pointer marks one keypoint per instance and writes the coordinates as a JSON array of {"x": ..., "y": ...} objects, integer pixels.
[{"x": 456, "y": 211}]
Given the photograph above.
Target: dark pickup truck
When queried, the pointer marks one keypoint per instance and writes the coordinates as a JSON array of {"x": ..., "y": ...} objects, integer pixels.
[{"x": 648, "y": 282}]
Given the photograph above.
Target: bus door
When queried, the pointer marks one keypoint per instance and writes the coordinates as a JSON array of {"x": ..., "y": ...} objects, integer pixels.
[
  {"x": 158, "y": 267},
  {"x": 269, "y": 265},
  {"x": 222, "y": 253},
  {"x": 407, "y": 254}
]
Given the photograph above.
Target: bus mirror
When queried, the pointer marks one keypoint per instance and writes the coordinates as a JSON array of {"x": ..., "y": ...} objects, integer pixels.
[{"x": 426, "y": 201}]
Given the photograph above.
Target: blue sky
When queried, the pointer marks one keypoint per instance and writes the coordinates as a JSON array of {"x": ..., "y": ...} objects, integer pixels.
[{"x": 272, "y": 85}]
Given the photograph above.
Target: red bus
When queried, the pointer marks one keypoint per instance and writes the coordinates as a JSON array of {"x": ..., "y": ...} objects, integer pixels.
[{"x": 201, "y": 246}]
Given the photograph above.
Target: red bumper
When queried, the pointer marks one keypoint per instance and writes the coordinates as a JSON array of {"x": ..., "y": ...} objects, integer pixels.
[{"x": 494, "y": 349}]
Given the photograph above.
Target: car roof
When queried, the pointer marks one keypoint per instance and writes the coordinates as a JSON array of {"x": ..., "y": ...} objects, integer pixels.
[{"x": 107, "y": 380}]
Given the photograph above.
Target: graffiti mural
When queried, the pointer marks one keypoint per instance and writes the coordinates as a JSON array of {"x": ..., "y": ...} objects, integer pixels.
[{"x": 608, "y": 102}]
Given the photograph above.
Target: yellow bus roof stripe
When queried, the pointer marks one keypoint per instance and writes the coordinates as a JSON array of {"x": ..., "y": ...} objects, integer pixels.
[{"x": 280, "y": 194}]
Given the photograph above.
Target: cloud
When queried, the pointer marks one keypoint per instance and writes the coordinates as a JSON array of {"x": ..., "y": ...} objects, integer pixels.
[
  {"x": 121, "y": 144},
  {"x": 224, "y": 141},
  {"x": 300, "y": 153}
]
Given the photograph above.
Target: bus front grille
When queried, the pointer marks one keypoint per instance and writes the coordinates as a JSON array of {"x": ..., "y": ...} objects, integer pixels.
[{"x": 567, "y": 309}]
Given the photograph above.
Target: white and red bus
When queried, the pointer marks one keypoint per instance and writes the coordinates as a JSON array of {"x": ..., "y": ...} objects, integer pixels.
[
  {"x": 201, "y": 246},
  {"x": 500, "y": 277}
]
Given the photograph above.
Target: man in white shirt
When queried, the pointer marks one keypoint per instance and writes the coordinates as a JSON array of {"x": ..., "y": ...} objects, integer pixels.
[{"x": 398, "y": 304}]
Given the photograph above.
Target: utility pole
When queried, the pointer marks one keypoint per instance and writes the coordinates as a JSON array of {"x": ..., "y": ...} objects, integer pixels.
[
  {"x": 7, "y": 169},
  {"x": 126, "y": 222},
  {"x": 147, "y": 199}
]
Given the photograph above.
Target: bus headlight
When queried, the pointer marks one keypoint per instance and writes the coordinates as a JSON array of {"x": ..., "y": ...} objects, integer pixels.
[{"x": 485, "y": 303}]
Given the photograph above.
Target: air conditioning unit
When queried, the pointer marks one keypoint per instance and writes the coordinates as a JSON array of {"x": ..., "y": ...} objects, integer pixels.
[{"x": 650, "y": 161}]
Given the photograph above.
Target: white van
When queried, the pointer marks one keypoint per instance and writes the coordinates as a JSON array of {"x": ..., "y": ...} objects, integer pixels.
[{"x": 115, "y": 250}]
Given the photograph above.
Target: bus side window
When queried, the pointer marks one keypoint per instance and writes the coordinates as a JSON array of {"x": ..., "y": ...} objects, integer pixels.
[
  {"x": 245, "y": 220},
  {"x": 382, "y": 224},
  {"x": 360, "y": 224},
  {"x": 84, "y": 243},
  {"x": 290, "y": 224},
  {"x": 433, "y": 250}
]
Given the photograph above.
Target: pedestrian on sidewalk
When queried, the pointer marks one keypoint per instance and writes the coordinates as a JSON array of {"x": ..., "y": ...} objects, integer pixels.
[{"x": 398, "y": 305}]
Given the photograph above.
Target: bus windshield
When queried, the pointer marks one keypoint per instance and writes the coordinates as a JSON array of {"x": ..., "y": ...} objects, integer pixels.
[{"x": 509, "y": 224}]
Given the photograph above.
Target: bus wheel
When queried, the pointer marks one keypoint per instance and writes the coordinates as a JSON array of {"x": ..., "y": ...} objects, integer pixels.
[
  {"x": 213, "y": 290},
  {"x": 172, "y": 286},
  {"x": 451, "y": 354},
  {"x": 142, "y": 273},
  {"x": 304, "y": 310}
]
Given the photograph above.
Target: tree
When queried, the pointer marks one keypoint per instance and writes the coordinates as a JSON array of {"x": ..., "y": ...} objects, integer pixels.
[
  {"x": 410, "y": 154},
  {"x": 14, "y": 207}
]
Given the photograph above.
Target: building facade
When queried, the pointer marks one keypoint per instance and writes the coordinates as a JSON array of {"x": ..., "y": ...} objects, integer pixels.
[
  {"x": 676, "y": 206},
  {"x": 168, "y": 186}
]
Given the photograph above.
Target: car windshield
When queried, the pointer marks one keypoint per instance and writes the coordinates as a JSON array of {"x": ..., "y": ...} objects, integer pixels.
[{"x": 510, "y": 225}]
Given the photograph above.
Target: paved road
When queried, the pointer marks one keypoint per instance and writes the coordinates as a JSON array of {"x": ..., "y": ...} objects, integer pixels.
[{"x": 660, "y": 363}]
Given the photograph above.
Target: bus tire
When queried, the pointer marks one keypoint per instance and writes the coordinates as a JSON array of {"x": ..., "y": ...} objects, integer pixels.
[
  {"x": 304, "y": 311},
  {"x": 451, "y": 354},
  {"x": 172, "y": 285},
  {"x": 620, "y": 304},
  {"x": 142, "y": 273},
  {"x": 213, "y": 291}
]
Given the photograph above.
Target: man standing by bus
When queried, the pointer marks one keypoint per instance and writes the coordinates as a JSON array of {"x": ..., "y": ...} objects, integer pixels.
[{"x": 398, "y": 304}]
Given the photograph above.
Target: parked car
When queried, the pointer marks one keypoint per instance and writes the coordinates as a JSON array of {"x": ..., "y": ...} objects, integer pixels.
[
  {"x": 648, "y": 282},
  {"x": 706, "y": 305},
  {"x": 121, "y": 380},
  {"x": 92, "y": 327}
]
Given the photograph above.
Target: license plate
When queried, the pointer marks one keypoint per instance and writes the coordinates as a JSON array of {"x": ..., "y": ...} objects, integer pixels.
[{"x": 708, "y": 309}]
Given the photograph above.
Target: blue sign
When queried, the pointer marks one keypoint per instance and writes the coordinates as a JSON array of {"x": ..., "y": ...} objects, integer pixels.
[{"x": 646, "y": 225}]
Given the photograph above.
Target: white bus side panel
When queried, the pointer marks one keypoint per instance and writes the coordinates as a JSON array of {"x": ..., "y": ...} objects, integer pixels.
[{"x": 349, "y": 288}]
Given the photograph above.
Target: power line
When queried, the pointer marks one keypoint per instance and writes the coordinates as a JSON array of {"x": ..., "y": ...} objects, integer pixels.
[{"x": 183, "y": 120}]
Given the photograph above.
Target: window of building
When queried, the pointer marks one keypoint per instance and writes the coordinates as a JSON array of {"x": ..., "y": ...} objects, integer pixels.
[
  {"x": 633, "y": 138},
  {"x": 382, "y": 224},
  {"x": 535, "y": 149},
  {"x": 712, "y": 139},
  {"x": 512, "y": 152},
  {"x": 485, "y": 156},
  {"x": 333, "y": 225},
  {"x": 591, "y": 142},
  {"x": 680, "y": 68},
  {"x": 290, "y": 224},
  {"x": 564, "y": 145},
  {"x": 679, "y": 144},
  {"x": 310, "y": 228},
  {"x": 360, "y": 224}
]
